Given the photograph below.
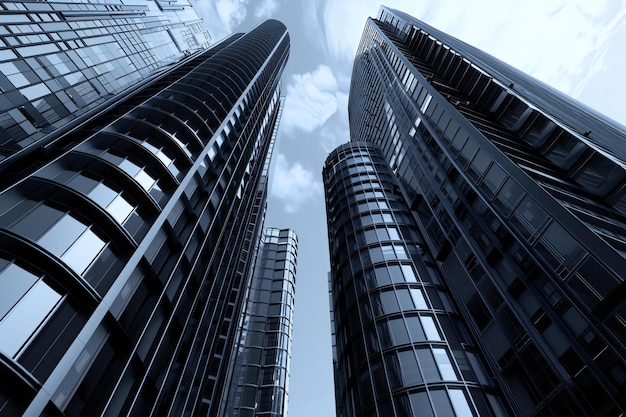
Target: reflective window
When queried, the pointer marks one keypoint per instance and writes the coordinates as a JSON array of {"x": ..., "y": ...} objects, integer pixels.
[
  {"x": 430, "y": 328},
  {"x": 62, "y": 234},
  {"x": 421, "y": 404},
  {"x": 83, "y": 251},
  {"x": 529, "y": 216},
  {"x": 26, "y": 301},
  {"x": 441, "y": 403},
  {"x": 398, "y": 330},
  {"x": 509, "y": 196},
  {"x": 418, "y": 298},
  {"x": 459, "y": 403},
  {"x": 443, "y": 363},
  {"x": 409, "y": 275},
  {"x": 120, "y": 209},
  {"x": 493, "y": 180},
  {"x": 410, "y": 370},
  {"x": 415, "y": 329}
]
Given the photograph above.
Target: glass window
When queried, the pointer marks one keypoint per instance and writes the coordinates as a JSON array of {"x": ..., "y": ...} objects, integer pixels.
[
  {"x": 410, "y": 370},
  {"x": 388, "y": 253},
  {"x": 83, "y": 251},
  {"x": 560, "y": 240},
  {"x": 389, "y": 302},
  {"x": 400, "y": 252},
  {"x": 398, "y": 330},
  {"x": 396, "y": 274},
  {"x": 120, "y": 209},
  {"x": 145, "y": 180},
  {"x": 24, "y": 319},
  {"x": 479, "y": 164},
  {"x": 529, "y": 216},
  {"x": 430, "y": 328},
  {"x": 459, "y": 403},
  {"x": 418, "y": 298},
  {"x": 14, "y": 283},
  {"x": 493, "y": 180},
  {"x": 509, "y": 196},
  {"x": 421, "y": 404},
  {"x": 382, "y": 276},
  {"x": 62, "y": 234},
  {"x": 469, "y": 150},
  {"x": 441, "y": 402},
  {"x": 415, "y": 329},
  {"x": 427, "y": 363},
  {"x": 404, "y": 298},
  {"x": 35, "y": 223},
  {"x": 102, "y": 194},
  {"x": 443, "y": 363},
  {"x": 409, "y": 275}
]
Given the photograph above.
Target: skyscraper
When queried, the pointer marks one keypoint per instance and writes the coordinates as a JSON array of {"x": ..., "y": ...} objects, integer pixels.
[
  {"x": 128, "y": 239},
  {"x": 401, "y": 348},
  {"x": 519, "y": 195},
  {"x": 261, "y": 373},
  {"x": 60, "y": 59}
]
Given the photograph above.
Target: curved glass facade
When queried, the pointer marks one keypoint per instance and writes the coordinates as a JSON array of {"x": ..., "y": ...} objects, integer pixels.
[
  {"x": 261, "y": 374},
  {"x": 60, "y": 59},
  {"x": 518, "y": 192},
  {"x": 401, "y": 347},
  {"x": 127, "y": 242}
]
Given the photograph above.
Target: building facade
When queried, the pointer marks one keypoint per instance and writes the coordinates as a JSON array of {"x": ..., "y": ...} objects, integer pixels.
[
  {"x": 518, "y": 192},
  {"x": 128, "y": 239},
  {"x": 401, "y": 348},
  {"x": 261, "y": 374},
  {"x": 59, "y": 59}
]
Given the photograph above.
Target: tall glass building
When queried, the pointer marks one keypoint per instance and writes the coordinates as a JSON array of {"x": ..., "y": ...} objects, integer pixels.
[
  {"x": 59, "y": 59},
  {"x": 129, "y": 236},
  {"x": 518, "y": 192},
  {"x": 400, "y": 345},
  {"x": 261, "y": 373}
]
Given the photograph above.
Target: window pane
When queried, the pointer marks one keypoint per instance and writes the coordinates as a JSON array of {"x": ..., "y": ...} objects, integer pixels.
[
  {"x": 17, "y": 327},
  {"x": 441, "y": 403},
  {"x": 418, "y": 298},
  {"x": 409, "y": 275},
  {"x": 102, "y": 195},
  {"x": 421, "y": 404},
  {"x": 83, "y": 251},
  {"x": 37, "y": 222},
  {"x": 145, "y": 180},
  {"x": 430, "y": 328},
  {"x": 459, "y": 403},
  {"x": 62, "y": 235},
  {"x": 398, "y": 330},
  {"x": 120, "y": 209},
  {"x": 444, "y": 365},
  {"x": 130, "y": 168},
  {"x": 410, "y": 370},
  {"x": 14, "y": 283},
  {"x": 390, "y": 304},
  {"x": 427, "y": 363},
  {"x": 415, "y": 329}
]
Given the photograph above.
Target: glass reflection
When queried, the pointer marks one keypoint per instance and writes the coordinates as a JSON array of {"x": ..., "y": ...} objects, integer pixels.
[{"x": 24, "y": 319}]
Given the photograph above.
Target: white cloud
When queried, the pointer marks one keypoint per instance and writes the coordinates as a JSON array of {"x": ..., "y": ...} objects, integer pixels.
[
  {"x": 311, "y": 100},
  {"x": 561, "y": 42},
  {"x": 221, "y": 16},
  {"x": 266, "y": 9},
  {"x": 294, "y": 185}
]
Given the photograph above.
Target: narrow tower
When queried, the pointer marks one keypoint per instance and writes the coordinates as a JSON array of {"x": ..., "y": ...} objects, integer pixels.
[
  {"x": 128, "y": 238},
  {"x": 401, "y": 348}
]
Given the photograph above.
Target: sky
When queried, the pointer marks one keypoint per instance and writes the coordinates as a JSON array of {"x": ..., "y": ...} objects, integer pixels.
[{"x": 574, "y": 45}]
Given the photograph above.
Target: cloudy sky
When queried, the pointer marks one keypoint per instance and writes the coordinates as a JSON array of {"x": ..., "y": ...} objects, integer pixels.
[{"x": 573, "y": 45}]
